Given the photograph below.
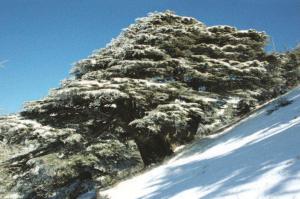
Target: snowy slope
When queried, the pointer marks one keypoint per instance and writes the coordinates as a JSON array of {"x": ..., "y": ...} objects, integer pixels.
[{"x": 258, "y": 158}]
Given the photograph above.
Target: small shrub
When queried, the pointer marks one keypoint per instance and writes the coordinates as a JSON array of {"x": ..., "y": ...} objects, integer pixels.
[{"x": 281, "y": 102}]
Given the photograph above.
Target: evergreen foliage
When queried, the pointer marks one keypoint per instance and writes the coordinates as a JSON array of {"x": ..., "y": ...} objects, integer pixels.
[{"x": 164, "y": 81}]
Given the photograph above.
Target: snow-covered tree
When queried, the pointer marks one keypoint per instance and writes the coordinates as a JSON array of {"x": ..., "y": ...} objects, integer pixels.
[{"x": 165, "y": 80}]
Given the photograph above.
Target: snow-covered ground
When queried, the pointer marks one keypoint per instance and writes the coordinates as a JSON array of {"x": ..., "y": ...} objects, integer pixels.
[{"x": 258, "y": 158}]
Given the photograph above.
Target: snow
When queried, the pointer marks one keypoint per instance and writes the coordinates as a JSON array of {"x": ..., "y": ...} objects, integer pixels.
[
  {"x": 257, "y": 158},
  {"x": 179, "y": 148},
  {"x": 154, "y": 84},
  {"x": 233, "y": 100}
]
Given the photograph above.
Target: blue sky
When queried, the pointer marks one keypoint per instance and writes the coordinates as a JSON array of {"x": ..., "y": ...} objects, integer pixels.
[{"x": 40, "y": 39}]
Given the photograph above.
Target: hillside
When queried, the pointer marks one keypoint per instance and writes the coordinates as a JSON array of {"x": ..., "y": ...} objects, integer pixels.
[
  {"x": 257, "y": 158},
  {"x": 164, "y": 81}
]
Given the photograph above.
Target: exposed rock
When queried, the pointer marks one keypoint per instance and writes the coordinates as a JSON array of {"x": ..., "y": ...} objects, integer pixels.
[{"x": 165, "y": 80}]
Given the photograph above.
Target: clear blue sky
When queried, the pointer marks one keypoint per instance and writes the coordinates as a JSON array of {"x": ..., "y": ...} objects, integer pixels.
[{"x": 40, "y": 39}]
